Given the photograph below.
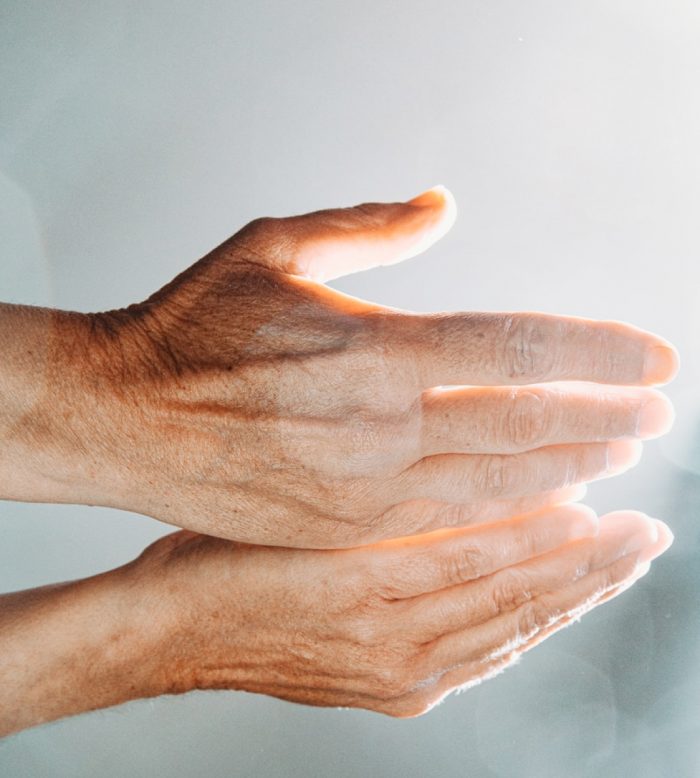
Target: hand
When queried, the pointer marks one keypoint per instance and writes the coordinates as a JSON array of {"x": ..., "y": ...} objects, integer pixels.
[
  {"x": 247, "y": 400},
  {"x": 394, "y": 627}
]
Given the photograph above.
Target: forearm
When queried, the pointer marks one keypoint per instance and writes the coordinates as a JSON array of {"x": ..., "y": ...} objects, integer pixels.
[{"x": 71, "y": 648}]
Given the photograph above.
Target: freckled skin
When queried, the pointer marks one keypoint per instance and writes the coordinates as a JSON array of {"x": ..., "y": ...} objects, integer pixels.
[
  {"x": 393, "y": 627},
  {"x": 249, "y": 401}
]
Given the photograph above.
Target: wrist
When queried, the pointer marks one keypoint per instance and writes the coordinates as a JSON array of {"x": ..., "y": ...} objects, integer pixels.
[
  {"x": 74, "y": 647},
  {"x": 204, "y": 630},
  {"x": 170, "y": 615},
  {"x": 55, "y": 393}
]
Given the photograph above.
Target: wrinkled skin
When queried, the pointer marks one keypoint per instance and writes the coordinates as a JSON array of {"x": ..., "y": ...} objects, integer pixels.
[
  {"x": 249, "y": 401},
  {"x": 392, "y": 627}
]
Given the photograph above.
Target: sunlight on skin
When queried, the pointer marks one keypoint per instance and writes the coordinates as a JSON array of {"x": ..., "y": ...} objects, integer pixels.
[
  {"x": 393, "y": 627},
  {"x": 436, "y": 213},
  {"x": 399, "y": 539},
  {"x": 250, "y": 403}
]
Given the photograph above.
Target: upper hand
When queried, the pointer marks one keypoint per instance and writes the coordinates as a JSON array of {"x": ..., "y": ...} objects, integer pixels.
[{"x": 249, "y": 401}]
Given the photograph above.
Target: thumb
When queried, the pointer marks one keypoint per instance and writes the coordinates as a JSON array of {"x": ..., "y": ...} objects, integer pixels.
[{"x": 328, "y": 244}]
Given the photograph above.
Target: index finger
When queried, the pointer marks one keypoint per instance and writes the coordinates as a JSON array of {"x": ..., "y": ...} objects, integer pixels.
[
  {"x": 524, "y": 348},
  {"x": 408, "y": 567}
]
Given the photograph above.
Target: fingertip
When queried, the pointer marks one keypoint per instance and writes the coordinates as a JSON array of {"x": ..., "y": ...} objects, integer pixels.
[
  {"x": 635, "y": 531},
  {"x": 622, "y": 455},
  {"x": 656, "y": 416},
  {"x": 434, "y": 197},
  {"x": 661, "y": 364},
  {"x": 439, "y": 198},
  {"x": 449, "y": 208},
  {"x": 429, "y": 199},
  {"x": 664, "y": 540},
  {"x": 665, "y": 533}
]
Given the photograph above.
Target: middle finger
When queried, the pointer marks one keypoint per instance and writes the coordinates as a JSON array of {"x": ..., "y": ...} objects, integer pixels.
[{"x": 509, "y": 420}]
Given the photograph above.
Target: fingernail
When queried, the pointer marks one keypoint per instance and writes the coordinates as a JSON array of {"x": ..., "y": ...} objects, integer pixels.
[
  {"x": 656, "y": 417},
  {"x": 430, "y": 198},
  {"x": 664, "y": 539},
  {"x": 622, "y": 455},
  {"x": 660, "y": 364}
]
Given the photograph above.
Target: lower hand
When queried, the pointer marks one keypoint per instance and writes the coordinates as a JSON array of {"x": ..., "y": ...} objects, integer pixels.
[{"x": 394, "y": 627}]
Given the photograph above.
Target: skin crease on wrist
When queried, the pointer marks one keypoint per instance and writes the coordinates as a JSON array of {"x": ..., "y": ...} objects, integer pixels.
[
  {"x": 248, "y": 400},
  {"x": 393, "y": 627}
]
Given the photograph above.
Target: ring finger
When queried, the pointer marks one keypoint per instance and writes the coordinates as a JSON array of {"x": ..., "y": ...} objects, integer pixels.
[{"x": 472, "y": 477}]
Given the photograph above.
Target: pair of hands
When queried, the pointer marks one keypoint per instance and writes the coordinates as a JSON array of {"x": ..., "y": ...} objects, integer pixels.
[{"x": 246, "y": 400}]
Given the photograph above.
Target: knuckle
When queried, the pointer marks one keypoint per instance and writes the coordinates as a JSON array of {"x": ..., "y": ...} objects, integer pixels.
[
  {"x": 365, "y": 438},
  {"x": 498, "y": 475},
  {"x": 525, "y": 421},
  {"x": 464, "y": 563},
  {"x": 532, "y": 616},
  {"x": 510, "y": 591},
  {"x": 265, "y": 238},
  {"x": 527, "y": 621},
  {"x": 377, "y": 442},
  {"x": 583, "y": 567},
  {"x": 526, "y": 352},
  {"x": 579, "y": 462},
  {"x": 365, "y": 214},
  {"x": 260, "y": 229},
  {"x": 260, "y": 224},
  {"x": 368, "y": 215},
  {"x": 455, "y": 515}
]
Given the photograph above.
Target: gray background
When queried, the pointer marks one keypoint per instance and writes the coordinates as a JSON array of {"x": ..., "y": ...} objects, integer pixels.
[{"x": 135, "y": 136}]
